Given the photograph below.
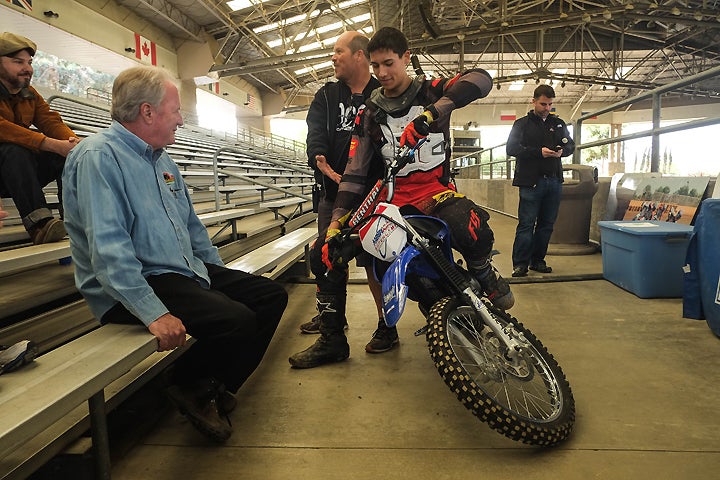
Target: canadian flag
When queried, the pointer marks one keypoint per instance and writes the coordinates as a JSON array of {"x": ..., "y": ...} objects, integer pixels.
[{"x": 145, "y": 50}]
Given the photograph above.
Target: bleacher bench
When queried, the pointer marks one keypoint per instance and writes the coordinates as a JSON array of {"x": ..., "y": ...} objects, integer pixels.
[
  {"x": 273, "y": 258},
  {"x": 31, "y": 256},
  {"x": 44, "y": 400},
  {"x": 43, "y": 403},
  {"x": 277, "y": 205},
  {"x": 230, "y": 218}
]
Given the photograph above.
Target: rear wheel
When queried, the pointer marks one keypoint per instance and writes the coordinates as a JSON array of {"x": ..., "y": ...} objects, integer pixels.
[{"x": 526, "y": 398}]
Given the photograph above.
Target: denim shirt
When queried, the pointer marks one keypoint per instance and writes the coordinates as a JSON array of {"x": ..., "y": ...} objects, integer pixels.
[{"x": 129, "y": 215}]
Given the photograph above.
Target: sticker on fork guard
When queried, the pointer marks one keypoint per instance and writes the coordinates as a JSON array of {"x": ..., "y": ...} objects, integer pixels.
[{"x": 381, "y": 237}]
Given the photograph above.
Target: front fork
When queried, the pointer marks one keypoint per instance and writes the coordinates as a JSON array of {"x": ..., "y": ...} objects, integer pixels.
[{"x": 514, "y": 341}]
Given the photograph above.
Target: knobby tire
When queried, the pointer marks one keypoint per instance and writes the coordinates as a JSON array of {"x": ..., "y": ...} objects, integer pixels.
[{"x": 531, "y": 403}]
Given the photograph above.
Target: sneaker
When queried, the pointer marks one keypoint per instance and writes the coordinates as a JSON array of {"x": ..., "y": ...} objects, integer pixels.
[
  {"x": 199, "y": 404},
  {"x": 313, "y": 326},
  {"x": 51, "y": 231},
  {"x": 384, "y": 338},
  {"x": 497, "y": 289},
  {"x": 17, "y": 355},
  {"x": 520, "y": 272},
  {"x": 541, "y": 267}
]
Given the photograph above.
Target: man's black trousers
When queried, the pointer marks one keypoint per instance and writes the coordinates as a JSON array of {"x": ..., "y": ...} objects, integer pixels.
[{"x": 232, "y": 322}]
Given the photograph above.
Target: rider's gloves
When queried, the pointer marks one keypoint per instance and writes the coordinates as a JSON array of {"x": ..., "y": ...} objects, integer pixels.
[
  {"x": 417, "y": 129},
  {"x": 331, "y": 249}
]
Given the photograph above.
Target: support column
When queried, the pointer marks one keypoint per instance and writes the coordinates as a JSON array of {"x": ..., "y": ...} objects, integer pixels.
[{"x": 188, "y": 100}]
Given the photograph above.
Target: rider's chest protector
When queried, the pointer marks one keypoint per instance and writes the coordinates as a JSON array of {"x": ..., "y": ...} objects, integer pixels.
[{"x": 427, "y": 158}]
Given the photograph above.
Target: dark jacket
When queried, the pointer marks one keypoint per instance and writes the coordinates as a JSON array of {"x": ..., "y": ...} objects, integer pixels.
[
  {"x": 527, "y": 137},
  {"x": 18, "y": 112},
  {"x": 329, "y": 134}
]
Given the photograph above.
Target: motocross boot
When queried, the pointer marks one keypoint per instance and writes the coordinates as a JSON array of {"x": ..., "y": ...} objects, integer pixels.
[
  {"x": 332, "y": 345},
  {"x": 384, "y": 338},
  {"x": 495, "y": 287},
  {"x": 312, "y": 326}
]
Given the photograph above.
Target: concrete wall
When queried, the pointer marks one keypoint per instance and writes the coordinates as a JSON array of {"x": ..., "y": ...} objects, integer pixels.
[{"x": 499, "y": 195}]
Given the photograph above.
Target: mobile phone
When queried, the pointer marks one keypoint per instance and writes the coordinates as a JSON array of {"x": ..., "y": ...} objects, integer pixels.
[{"x": 557, "y": 148}]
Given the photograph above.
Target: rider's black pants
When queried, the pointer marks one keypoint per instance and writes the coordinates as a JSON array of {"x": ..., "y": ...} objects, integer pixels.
[{"x": 469, "y": 230}]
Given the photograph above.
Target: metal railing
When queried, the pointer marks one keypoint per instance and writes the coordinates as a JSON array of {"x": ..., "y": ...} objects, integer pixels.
[
  {"x": 656, "y": 129},
  {"x": 254, "y": 181},
  {"x": 501, "y": 168},
  {"x": 277, "y": 143},
  {"x": 507, "y": 164},
  {"x": 101, "y": 95}
]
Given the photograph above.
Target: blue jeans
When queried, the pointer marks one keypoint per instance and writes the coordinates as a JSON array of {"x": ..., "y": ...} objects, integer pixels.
[{"x": 537, "y": 212}]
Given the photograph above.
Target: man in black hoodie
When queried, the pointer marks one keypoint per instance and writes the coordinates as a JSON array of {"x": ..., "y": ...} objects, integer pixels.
[{"x": 330, "y": 121}]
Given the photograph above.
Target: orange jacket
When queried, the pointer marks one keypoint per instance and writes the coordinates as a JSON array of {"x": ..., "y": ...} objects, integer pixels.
[{"x": 19, "y": 112}]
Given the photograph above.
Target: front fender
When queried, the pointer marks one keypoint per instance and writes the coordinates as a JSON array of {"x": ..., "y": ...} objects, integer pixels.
[{"x": 394, "y": 288}]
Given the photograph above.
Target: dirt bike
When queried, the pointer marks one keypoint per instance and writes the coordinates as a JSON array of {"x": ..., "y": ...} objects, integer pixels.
[{"x": 495, "y": 366}]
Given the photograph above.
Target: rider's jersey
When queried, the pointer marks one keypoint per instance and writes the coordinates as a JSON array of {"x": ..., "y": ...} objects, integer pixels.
[
  {"x": 427, "y": 175},
  {"x": 378, "y": 132}
]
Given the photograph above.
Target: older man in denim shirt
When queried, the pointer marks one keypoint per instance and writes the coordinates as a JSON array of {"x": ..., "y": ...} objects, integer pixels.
[{"x": 142, "y": 255}]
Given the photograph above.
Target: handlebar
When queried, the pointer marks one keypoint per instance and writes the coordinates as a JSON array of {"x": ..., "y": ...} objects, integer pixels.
[{"x": 405, "y": 156}]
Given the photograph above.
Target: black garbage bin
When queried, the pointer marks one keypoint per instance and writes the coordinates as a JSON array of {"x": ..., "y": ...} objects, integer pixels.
[{"x": 571, "y": 233}]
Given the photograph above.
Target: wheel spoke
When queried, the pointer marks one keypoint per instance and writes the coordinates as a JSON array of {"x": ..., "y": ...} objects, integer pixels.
[{"x": 525, "y": 389}]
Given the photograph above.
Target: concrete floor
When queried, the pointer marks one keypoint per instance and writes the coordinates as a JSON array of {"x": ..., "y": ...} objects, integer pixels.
[{"x": 645, "y": 382}]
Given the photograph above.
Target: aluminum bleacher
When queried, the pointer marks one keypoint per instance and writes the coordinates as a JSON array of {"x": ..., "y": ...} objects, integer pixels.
[{"x": 261, "y": 225}]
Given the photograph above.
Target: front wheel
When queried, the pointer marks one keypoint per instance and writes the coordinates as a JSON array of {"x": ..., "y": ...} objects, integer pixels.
[{"x": 525, "y": 397}]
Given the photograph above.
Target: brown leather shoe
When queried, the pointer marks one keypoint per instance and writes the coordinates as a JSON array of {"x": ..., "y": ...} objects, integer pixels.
[
  {"x": 199, "y": 404},
  {"x": 226, "y": 402},
  {"x": 52, "y": 231}
]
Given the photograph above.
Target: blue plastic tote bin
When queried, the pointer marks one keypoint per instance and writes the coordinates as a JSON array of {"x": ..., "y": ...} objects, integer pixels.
[{"x": 645, "y": 257}]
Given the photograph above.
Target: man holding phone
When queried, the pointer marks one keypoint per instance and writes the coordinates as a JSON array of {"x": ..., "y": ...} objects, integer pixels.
[{"x": 538, "y": 141}]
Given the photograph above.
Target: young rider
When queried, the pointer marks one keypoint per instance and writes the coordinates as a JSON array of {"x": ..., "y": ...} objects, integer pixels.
[{"x": 401, "y": 112}]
